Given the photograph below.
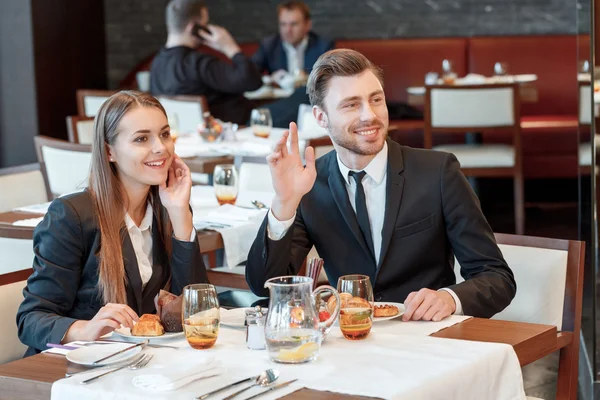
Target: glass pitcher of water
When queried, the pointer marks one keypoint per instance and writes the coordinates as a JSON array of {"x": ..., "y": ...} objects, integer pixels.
[{"x": 293, "y": 332}]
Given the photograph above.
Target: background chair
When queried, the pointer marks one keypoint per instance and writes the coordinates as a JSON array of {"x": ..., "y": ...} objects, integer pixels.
[
  {"x": 308, "y": 126},
  {"x": 15, "y": 268},
  {"x": 549, "y": 276},
  {"x": 65, "y": 165},
  {"x": 480, "y": 108},
  {"x": 80, "y": 129},
  {"x": 189, "y": 111},
  {"x": 90, "y": 100},
  {"x": 21, "y": 186}
]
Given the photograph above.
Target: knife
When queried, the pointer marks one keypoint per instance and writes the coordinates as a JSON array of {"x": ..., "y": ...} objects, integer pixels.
[
  {"x": 204, "y": 396},
  {"x": 272, "y": 388},
  {"x": 120, "y": 352}
]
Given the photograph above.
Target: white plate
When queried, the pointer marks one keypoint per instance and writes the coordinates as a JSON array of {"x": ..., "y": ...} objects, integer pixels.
[
  {"x": 400, "y": 306},
  {"x": 526, "y": 78},
  {"x": 87, "y": 355},
  {"x": 126, "y": 333}
]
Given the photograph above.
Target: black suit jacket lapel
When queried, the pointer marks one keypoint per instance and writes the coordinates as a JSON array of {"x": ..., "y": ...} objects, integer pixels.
[
  {"x": 340, "y": 195},
  {"x": 132, "y": 270},
  {"x": 394, "y": 189}
]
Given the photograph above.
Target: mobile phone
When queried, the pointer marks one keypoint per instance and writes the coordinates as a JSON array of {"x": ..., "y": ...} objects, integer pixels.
[{"x": 197, "y": 28}]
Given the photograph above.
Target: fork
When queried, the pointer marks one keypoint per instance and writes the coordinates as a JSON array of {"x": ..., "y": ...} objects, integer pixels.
[
  {"x": 139, "y": 363},
  {"x": 137, "y": 359}
]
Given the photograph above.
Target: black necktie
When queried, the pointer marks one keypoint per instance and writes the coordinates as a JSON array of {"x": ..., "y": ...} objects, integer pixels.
[{"x": 361, "y": 209}]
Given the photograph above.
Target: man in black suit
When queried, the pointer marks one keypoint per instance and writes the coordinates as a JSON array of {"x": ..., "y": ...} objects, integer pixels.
[
  {"x": 374, "y": 207},
  {"x": 179, "y": 68}
]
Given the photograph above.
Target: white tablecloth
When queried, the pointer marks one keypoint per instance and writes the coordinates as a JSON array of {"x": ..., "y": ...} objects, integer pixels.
[
  {"x": 393, "y": 362},
  {"x": 246, "y": 144},
  {"x": 238, "y": 236}
]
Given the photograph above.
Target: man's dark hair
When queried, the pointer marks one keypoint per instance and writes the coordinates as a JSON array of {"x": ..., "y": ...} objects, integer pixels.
[
  {"x": 179, "y": 13},
  {"x": 295, "y": 5}
]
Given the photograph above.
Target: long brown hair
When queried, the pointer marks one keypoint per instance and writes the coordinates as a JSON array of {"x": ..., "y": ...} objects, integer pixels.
[{"x": 109, "y": 196}]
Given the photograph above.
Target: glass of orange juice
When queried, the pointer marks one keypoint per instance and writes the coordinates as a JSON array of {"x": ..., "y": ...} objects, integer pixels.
[
  {"x": 261, "y": 122},
  {"x": 356, "y": 311},
  {"x": 225, "y": 182},
  {"x": 200, "y": 315}
]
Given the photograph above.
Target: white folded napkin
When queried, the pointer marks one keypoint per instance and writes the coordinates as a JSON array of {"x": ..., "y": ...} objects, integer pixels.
[
  {"x": 176, "y": 375},
  {"x": 28, "y": 222},
  {"x": 35, "y": 208}
]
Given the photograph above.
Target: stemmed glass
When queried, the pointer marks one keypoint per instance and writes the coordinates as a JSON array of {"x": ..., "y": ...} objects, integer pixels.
[
  {"x": 226, "y": 183},
  {"x": 200, "y": 315},
  {"x": 261, "y": 122}
]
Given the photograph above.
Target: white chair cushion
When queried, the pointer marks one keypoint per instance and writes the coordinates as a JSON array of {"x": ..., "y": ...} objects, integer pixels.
[
  {"x": 189, "y": 113},
  {"x": 11, "y": 297},
  {"x": 255, "y": 177},
  {"x": 307, "y": 124},
  {"x": 67, "y": 170},
  {"x": 85, "y": 131},
  {"x": 481, "y": 155},
  {"x": 91, "y": 104},
  {"x": 541, "y": 277},
  {"x": 16, "y": 254},
  {"x": 585, "y": 152},
  {"x": 585, "y": 105},
  {"x": 472, "y": 107},
  {"x": 22, "y": 189}
]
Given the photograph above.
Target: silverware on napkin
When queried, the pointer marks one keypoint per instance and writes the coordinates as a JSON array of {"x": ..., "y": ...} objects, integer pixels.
[
  {"x": 204, "y": 396},
  {"x": 145, "y": 342},
  {"x": 139, "y": 362},
  {"x": 272, "y": 388}
]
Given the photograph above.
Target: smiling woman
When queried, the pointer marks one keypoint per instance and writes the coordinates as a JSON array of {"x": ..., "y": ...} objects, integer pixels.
[{"x": 103, "y": 254}]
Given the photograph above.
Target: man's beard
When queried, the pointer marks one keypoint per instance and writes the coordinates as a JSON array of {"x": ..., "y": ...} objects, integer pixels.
[{"x": 347, "y": 140}]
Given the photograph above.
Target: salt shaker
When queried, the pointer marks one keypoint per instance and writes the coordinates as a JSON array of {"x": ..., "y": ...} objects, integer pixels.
[{"x": 255, "y": 329}]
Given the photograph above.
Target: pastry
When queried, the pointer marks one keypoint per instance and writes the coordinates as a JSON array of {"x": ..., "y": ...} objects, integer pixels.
[
  {"x": 148, "y": 325},
  {"x": 385, "y": 310},
  {"x": 331, "y": 302}
]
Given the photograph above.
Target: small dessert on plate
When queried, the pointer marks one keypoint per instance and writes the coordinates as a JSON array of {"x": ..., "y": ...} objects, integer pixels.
[
  {"x": 148, "y": 325},
  {"x": 385, "y": 310}
]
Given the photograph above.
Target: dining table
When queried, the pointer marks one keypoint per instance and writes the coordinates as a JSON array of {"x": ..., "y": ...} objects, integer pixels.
[
  {"x": 32, "y": 377},
  {"x": 528, "y": 91}
]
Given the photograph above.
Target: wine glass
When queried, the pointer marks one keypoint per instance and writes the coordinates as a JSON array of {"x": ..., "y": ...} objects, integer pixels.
[
  {"x": 448, "y": 74},
  {"x": 261, "y": 122},
  {"x": 356, "y": 311},
  {"x": 173, "y": 121},
  {"x": 200, "y": 315},
  {"x": 225, "y": 182},
  {"x": 500, "y": 69}
]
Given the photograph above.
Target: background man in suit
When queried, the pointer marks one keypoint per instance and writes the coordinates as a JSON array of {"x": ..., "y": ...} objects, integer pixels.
[
  {"x": 374, "y": 207},
  {"x": 296, "y": 48}
]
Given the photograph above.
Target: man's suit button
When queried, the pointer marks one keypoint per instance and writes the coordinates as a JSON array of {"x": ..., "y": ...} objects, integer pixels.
[{"x": 378, "y": 297}]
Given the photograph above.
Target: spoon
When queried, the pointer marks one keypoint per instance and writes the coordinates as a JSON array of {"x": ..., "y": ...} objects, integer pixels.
[
  {"x": 264, "y": 379},
  {"x": 258, "y": 204}
]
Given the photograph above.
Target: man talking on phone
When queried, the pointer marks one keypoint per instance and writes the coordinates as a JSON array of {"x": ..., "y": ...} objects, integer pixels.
[{"x": 180, "y": 69}]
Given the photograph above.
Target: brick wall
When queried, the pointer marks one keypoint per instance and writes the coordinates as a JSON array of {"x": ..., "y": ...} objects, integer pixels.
[{"x": 136, "y": 28}]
